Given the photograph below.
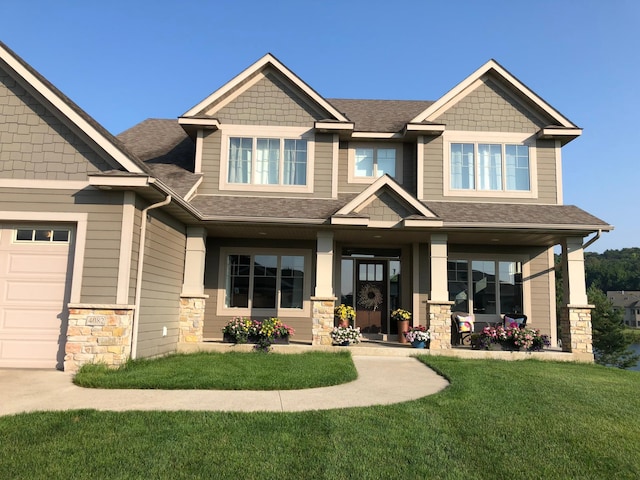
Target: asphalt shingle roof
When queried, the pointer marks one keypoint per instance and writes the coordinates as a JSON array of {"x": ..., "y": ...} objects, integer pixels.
[{"x": 379, "y": 115}]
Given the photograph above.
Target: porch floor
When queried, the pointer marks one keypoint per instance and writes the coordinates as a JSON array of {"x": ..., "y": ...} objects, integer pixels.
[{"x": 385, "y": 348}]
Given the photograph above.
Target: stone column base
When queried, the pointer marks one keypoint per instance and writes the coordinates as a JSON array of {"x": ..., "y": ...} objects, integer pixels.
[
  {"x": 323, "y": 315},
  {"x": 191, "y": 319},
  {"x": 575, "y": 329},
  {"x": 439, "y": 316},
  {"x": 98, "y": 334}
]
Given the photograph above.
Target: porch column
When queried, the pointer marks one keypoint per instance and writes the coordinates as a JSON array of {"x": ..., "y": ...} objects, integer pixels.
[
  {"x": 324, "y": 300},
  {"x": 192, "y": 298},
  {"x": 575, "y": 321},
  {"x": 438, "y": 305}
]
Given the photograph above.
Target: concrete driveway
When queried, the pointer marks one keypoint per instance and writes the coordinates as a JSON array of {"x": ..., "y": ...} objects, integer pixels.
[{"x": 381, "y": 380}]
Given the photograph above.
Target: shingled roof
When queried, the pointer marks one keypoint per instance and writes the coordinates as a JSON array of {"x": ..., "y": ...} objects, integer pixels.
[{"x": 379, "y": 115}]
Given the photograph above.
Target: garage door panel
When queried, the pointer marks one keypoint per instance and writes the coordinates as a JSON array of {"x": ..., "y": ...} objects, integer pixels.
[
  {"x": 34, "y": 286},
  {"x": 15, "y": 319},
  {"x": 37, "y": 264}
]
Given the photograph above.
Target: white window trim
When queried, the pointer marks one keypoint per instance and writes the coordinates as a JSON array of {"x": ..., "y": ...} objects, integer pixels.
[
  {"x": 352, "y": 178},
  {"x": 295, "y": 133},
  {"x": 223, "y": 310},
  {"x": 526, "y": 279},
  {"x": 457, "y": 136}
]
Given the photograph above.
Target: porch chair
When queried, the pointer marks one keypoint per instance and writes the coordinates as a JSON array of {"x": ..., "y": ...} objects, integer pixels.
[
  {"x": 514, "y": 320},
  {"x": 462, "y": 326}
]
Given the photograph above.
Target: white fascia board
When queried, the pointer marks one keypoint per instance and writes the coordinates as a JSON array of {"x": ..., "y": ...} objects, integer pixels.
[
  {"x": 380, "y": 135},
  {"x": 425, "y": 128},
  {"x": 494, "y": 66},
  {"x": 528, "y": 226},
  {"x": 73, "y": 116},
  {"x": 334, "y": 126},
  {"x": 123, "y": 181},
  {"x": 262, "y": 220},
  {"x": 423, "y": 223},
  {"x": 268, "y": 59},
  {"x": 201, "y": 122},
  {"x": 551, "y": 132},
  {"x": 352, "y": 221}
]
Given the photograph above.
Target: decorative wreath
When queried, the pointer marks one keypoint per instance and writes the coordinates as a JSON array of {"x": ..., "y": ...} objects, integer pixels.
[{"x": 370, "y": 297}]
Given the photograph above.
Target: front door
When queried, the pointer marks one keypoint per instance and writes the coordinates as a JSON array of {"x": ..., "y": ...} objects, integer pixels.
[{"x": 371, "y": 295}]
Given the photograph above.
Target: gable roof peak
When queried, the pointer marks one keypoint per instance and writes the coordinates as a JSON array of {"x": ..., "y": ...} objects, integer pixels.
[{"x": 263, "y": 62}]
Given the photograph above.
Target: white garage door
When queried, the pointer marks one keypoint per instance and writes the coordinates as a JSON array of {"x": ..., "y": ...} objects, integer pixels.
[{"x": 34, "y": 290}]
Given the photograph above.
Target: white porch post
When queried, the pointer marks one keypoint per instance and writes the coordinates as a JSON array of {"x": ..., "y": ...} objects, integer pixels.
[
  {"x": 439, "y": 306},
  {"x": 323, "y": 302},
  {"x": 575, "y": 322},
  {"x": 192, "y": 298}
]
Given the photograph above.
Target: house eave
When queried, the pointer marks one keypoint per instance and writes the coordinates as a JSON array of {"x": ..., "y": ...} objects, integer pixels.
[
  {"x": 528, "y": 226},
  {"x": 565, "y": 135}
]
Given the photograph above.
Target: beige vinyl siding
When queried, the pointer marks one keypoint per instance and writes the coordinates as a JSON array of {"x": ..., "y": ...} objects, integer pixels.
[
  {"x": 135, "y": 251},
  {"x": 490, "y": 108},
  {"x": 102, "y": 249},
  {"x": 35, "y": 143},
  {"x": 541, "y": 303},
  {"x": 162, "y": 279},
  {"x": 343, "y": 171},
  {"x": 213, "y": 324},
  {"x": 547, "y": 173},
  {"x": 433, "y": 176},
  {"x": 211, "y": 149},
  {"x": 323, "y": 165}
]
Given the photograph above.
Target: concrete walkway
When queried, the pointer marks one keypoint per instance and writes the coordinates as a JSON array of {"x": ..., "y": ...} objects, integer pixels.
[{"x": 381, "y": 381}]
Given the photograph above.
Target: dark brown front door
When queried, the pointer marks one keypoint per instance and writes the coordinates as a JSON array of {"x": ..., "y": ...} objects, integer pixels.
[{"x": 371, "y": 295}]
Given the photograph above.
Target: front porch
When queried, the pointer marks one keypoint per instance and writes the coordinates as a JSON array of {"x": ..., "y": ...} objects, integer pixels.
[{"x": 391, "y": 348}]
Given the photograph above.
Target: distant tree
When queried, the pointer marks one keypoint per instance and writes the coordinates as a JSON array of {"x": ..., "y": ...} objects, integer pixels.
[
  {"x": 613, "y": 269},
  {"x": 610, "y": 345}
]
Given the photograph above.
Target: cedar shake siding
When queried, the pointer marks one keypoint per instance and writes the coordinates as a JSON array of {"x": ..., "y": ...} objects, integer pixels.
[
  {"x": 490, "y": 108},
  {"x": 35, "y": 144},
  {"x": 162, "y": 279},
  {"x": 269, "y": 102}
]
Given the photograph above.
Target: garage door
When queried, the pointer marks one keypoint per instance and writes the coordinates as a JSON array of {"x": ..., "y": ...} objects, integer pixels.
[{"x": 34, "y": 290}]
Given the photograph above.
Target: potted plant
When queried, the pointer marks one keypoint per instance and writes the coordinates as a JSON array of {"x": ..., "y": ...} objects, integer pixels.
[
  {"x": 345, "y": 314},
  {"x": 511, "y": 338},
  {"x": 418, "y": 336},
  {"x": 402, "y": 317},
  {"x": 245, "y": 330},
  {"x": 344, "y": 336},
  {"x": 276, "y": 331}
]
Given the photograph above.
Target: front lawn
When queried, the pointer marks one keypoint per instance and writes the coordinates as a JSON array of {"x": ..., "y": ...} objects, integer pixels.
[
  {"x": 497, "y": 420},
  {"x": 224, "y": 371}
]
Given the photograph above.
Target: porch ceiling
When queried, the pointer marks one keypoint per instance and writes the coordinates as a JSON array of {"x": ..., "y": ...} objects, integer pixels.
[{"x": 392, "y": 236}]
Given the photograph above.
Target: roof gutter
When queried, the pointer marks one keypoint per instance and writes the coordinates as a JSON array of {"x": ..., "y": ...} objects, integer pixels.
[{"x": 136, "y": 311}]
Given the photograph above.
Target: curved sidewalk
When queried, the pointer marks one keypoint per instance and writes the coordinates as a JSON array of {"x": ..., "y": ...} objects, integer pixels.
[{"x": 381, "y": 380}]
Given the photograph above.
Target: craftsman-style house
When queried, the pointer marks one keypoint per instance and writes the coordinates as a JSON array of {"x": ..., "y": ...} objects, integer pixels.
[{"x": 266, "y": 199}]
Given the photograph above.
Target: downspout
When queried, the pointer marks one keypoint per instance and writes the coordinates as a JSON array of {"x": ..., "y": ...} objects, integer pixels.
[
  {"x": 136, "y": 311},
  {"x": 592, "y": 240}
]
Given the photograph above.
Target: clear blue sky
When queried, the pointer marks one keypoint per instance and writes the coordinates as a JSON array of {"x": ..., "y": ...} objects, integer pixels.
[{"x": 124, "y": 61}]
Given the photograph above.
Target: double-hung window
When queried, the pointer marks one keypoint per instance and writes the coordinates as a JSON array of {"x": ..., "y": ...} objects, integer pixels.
[
  {"x": 267, "y": 161},
  {"x": 490, "y": 167},
  {"x": 368, "y": 162},
  {"x": 267, "y": 281}
]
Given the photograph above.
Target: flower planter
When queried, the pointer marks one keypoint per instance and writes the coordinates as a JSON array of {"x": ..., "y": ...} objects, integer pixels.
[
  {"x": 418, "y": 344},
  {"x": 281, "y": 340},
  {"x": 343, "y": 344},
  {"x": 403, "y": 326}
]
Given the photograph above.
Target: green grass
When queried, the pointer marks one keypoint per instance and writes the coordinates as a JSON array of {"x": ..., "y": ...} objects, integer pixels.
[
  {"x": 497, "y": 420},
  {"x": 633, "y": 334},
  {"x": 224, "y": 371}
]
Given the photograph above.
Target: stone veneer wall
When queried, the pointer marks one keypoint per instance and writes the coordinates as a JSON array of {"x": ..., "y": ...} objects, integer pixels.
[
  {"x": 575, "y": 329},
  {"x": 191, "y": 319},
  {"x": 439, "y": 315},
  {"x": 98, "y": 335},
  {"x": 323, "y": 317}
]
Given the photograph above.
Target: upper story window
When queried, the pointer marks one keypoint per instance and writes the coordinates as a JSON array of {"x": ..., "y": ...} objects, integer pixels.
[
  {"x": 263, "y": 158},
  {"x": 486, "y": 166},
  {"x": 368, "y": 162},
  {"x": 490, "y": 164},
  {"x": 267, "y": 161}
]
